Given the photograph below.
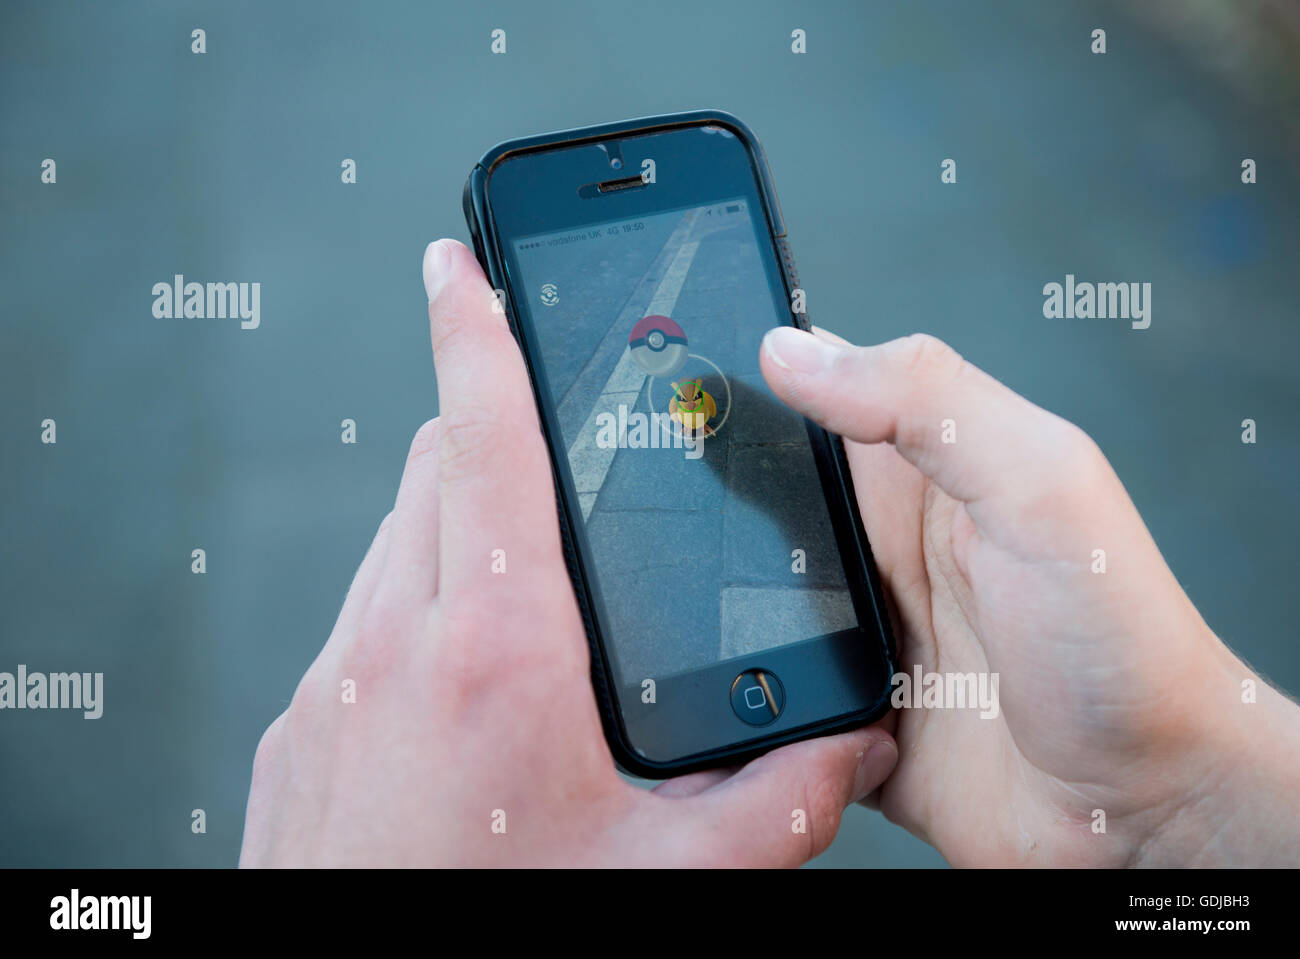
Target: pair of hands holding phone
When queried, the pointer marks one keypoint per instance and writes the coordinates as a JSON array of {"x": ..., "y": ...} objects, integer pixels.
[{"x": 475, "y": 738}]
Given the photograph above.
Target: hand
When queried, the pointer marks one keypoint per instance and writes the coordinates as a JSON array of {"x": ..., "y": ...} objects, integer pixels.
[
  {"x": 1114, "y": 694},
  {"x": 473, "y": 702}
]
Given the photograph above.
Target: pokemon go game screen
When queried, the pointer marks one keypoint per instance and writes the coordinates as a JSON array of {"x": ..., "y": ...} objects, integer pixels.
[{"x": 698, "y": 488}]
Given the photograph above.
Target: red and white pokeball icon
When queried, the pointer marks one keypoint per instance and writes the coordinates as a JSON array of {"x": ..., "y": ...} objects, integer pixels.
[{"x": 658, "y": 345}]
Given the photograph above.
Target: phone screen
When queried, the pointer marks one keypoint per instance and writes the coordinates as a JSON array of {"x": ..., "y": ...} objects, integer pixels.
[
  {"x": 706, "y": 535},
  {"x": 697, "y": 486}
]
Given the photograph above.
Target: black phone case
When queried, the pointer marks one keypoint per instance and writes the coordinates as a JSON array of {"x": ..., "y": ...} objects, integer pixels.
[{"x": 488, "y": 252}]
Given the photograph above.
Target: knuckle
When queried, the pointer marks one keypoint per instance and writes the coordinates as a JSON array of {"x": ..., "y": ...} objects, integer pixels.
[
  {"x": 812, "y": 843},
  {"x": 376, "y": 542},
  {"x": 385, "y": 621},
  {"x": 269, "y": 748},
  {"x": 825, "y": 800},
  {"x": 308, "y": 700},
  {"x": 307, "y": 690},
  {"x": 826, "y": 797},
  {"x": 424, "y": 442},
  {"x": 300, "y": 720},
  {"x": 929, "y": 359},
  {"x": 363, "y": 671},
  {"x": 1066, "y": 476},
  {"x": 1074, "y": 451}
]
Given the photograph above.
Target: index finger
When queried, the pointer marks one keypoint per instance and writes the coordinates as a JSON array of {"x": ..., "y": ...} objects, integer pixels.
[{"x": 496, "y": 492}]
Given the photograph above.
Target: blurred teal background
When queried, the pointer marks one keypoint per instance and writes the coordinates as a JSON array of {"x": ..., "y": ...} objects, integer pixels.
[{"x": 176, "y": 434}]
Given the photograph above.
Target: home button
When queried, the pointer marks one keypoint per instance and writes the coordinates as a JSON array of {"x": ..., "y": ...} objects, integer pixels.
[{"x": 757, "y": 697}]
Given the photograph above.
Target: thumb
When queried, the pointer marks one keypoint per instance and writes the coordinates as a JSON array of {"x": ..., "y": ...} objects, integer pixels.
[
  {"x": 784, "y": 808},
  {"x": 970, "y": 434}
]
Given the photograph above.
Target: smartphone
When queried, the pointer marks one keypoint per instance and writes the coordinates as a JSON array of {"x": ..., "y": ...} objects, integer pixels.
[{"x": 712, "y": 534}]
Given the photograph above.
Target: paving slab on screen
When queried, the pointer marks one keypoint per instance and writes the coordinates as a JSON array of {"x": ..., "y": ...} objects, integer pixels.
[{"x": 706, "y": 521}]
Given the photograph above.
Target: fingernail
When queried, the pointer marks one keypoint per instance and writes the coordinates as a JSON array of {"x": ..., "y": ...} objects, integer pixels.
[
  {"x": 797, "y": 351},
  {"x": 437, "y": 264},
  {"x": 874, "y": 766}
]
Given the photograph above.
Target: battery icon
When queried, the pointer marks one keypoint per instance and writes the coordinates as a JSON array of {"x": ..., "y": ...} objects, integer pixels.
[{"x": 734, "y": 208}]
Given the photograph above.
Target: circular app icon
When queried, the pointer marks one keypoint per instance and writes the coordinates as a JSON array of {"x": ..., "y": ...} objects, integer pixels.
[
  {"x": 658, "y": 345},
  {"x": 550, "y": 295}
]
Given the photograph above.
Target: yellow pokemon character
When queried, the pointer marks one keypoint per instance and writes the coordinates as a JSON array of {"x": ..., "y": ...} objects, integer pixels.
[{"x": 692, "y": 407}]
